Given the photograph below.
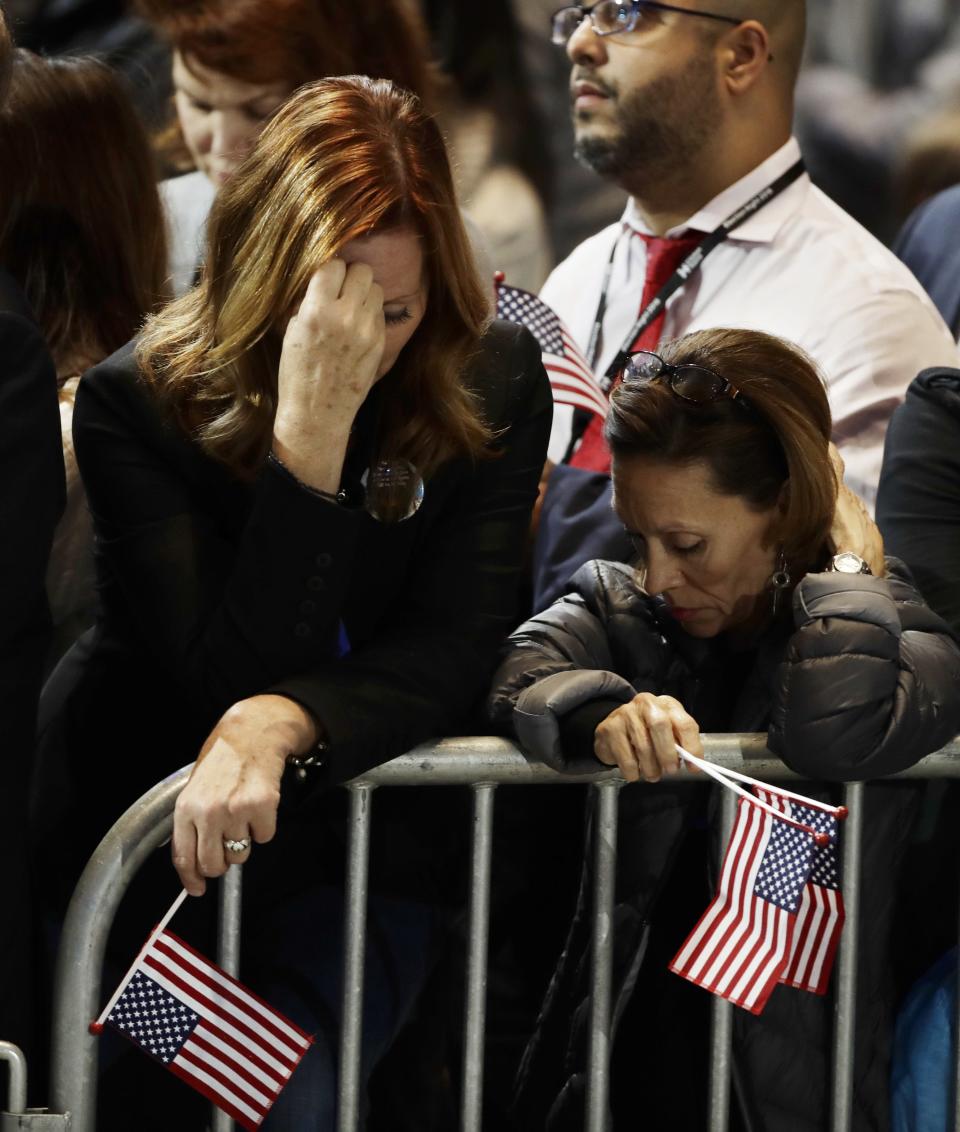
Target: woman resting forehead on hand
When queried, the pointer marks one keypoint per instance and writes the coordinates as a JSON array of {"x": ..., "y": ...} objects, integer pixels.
[{"x": 311, "y": 480}]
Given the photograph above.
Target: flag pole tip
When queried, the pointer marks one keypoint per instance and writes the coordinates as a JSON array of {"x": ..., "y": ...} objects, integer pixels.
[
  {"x": 842, "y": 812},
  {"x": 821, "y": 839},
  {"x": 95, "y": 1028},
  {"x": 499, "y": 277}
]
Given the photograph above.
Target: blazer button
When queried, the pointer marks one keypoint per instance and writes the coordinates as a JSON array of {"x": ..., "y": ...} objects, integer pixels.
[
  {"x": 307, "y": 608},
  {"x": 316, "y": 583},
  {"x": 323, "y": 560},
  {"x": 302, "y": 630}
]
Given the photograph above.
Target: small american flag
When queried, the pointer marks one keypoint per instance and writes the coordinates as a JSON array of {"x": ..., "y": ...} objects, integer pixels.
[
  {"x": 207, "y": 1028},
  {"x": 571, "y": 377},
  {"x": 820, "y": 918},
  {"x": 744, "y": 941}
]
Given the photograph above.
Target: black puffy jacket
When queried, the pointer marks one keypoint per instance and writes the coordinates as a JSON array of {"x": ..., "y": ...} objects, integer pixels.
[{"x": 861, "y": 682}]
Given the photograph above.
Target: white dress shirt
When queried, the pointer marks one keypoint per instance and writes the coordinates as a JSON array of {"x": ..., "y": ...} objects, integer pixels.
[
  {"x": 186, "y": 202},
  {"x": 802, "y": 269}
]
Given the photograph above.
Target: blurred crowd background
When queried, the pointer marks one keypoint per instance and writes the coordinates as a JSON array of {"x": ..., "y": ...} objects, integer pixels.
[{"x": 878, "y": 110}]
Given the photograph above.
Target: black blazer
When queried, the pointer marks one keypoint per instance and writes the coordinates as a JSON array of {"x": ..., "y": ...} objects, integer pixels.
[
  {"x": 214, "y": 589},
  {"x": 918, "y": 502},
  {"x": 31, "y": 500}
]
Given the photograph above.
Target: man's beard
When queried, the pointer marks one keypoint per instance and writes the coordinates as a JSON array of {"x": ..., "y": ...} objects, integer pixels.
[{"x": 660, "y": 130}]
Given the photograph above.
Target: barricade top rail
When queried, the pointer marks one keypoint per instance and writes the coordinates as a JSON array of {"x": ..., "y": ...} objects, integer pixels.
[{"x": 485, "y": 759}]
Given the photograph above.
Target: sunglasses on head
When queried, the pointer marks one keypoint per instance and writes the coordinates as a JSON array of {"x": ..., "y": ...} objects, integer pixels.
[{"x": 696, "y": 385}]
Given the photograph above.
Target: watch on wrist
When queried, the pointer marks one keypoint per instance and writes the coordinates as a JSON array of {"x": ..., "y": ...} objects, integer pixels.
[{"x": 846, "y": 562}]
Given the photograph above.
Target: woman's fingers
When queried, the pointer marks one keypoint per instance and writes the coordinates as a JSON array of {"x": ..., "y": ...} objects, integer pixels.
[
  {"x": 641, "y": 737},
  {"x": 184, "y": 853},
  {"x": 687, "y": 733}
]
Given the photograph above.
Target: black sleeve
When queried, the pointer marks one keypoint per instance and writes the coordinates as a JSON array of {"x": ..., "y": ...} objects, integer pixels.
[
  {"x": 434, "y": 656},
  {"x": 869, "y": 684},
  {"x": 918, "y": 504},
  {"x": 225, "y": 621},
  {"x": 32, "y": 500}
]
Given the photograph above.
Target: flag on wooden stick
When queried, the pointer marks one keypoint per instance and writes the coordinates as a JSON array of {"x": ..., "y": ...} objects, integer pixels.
[{"x": 206, "y": 1027}]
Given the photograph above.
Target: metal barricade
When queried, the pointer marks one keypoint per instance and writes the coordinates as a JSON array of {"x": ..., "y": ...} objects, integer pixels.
[{"x": 481, "y": 764}]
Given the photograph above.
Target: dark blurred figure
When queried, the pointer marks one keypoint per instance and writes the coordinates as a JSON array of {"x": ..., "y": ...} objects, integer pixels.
[
  {"x": 106, "y": 28},
  {"x": 31, "y": 500},
  {"x": 82, "y": 233},
  {"x": 918, "y": 512},
  {"x": 930, "y": 162},
  {"x": 500, "y": 148},
  {"x": 875, "y": 72},
  {"x": 930, "y": 246}
]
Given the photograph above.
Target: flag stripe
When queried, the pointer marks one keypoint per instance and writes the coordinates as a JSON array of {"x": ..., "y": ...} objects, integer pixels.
[
  {"x": 715, "y": 910},
  {"x": 749, "y": 855},
  {"x": 197, "y": 1056},
  {"x": 556, "y": 365},
  {"x": 214, "y": 1091},
  {"x": 265, "y": 1092},
  {"x": 748, "y": 969},
  {"x": 253, "y": 1056},
  {"x": 196, "y": 1004},
  {"x": 578, "y": 400},
  {"x": 232, "y": 992},
  {"x": 748, "y": 949},
  {"x": 809, "y": 923},
  {"x": 756, "y": 997},
  {"x": 820, "y": 976},
  {"x": 804, "y": 916}
]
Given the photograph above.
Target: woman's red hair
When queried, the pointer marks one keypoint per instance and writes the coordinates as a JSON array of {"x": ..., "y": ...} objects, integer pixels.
[{"x": 295, "y": 42}]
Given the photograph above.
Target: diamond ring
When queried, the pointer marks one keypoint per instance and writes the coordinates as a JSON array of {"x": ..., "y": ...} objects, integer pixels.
[{"x": 240, "y": 846}]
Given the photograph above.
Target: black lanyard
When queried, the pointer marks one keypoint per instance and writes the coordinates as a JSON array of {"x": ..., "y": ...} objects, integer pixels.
[{"x": 691, "y": 264}]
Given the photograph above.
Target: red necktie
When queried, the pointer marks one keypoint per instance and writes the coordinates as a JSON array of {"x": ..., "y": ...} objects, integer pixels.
[{"x": 664, "y": 256}]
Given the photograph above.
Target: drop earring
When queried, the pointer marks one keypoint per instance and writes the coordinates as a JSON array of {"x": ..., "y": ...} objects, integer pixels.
[{"x": 779, "y": 581}]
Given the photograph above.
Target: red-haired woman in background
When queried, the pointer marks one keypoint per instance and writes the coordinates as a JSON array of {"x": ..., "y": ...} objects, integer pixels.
[
  {"x": 81, "y": 231},
  {"x": 311, "y": 480},
  {"x": 235, "y": 62}
]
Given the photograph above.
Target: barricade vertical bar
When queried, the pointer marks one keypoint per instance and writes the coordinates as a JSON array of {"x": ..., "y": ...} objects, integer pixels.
[
  {"x": 476, "y": 998},
  {"x": 17, "y": 1086},
  {"x": 354, "y": 942},
  {"x": 846, "y": 1008},
  {"x": 228, "y": 953},
  {"x": 604, "y": 867},
  {"x": 956, "y": 1052},
  {"x": 721, "y": 1028},
  {"x": 77, "y": 984}
]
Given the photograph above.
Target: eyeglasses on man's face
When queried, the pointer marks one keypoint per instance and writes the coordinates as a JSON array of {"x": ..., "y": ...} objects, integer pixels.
[
  {"x": 696, "y": 385},
  {"x": 608, "y": 18}
]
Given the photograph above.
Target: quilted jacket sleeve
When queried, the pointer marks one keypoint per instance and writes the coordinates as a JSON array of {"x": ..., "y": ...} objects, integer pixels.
[
  {"x": 557, "y": 662},
  {"x": 870, "y": 681}
]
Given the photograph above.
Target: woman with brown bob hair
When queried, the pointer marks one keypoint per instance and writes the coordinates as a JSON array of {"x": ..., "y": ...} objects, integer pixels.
[
  {"x": 760, "y": 601},
  {"x": 236, "y": 61},
  {"x": 82, "y": 232},
  {"x": 311, "y": 479}
]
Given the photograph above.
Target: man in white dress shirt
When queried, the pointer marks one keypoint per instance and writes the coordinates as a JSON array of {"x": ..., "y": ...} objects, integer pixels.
[{"x": 688, "y": 106}]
